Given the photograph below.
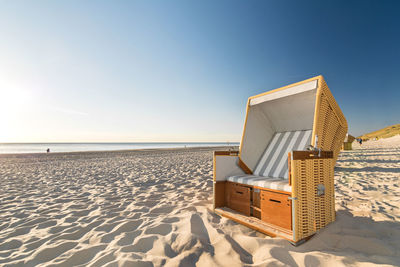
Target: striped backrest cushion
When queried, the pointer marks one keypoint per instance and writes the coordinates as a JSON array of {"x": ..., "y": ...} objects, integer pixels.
[{"x": 274, "y": 161}]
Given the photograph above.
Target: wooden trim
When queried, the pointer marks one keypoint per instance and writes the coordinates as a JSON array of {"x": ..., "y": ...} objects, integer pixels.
[
  {"x": 256, "y": 224},
  {"x": 226, "y": 153},
  {"x": 274, "y": 232},
  {"x": 290, "y": 168},
  {"x": 273, "y": 190},
  {"x": 294, "y": 203},
  {"x": 235, "y": 183},
  {"x": 244, "y": 167},
  {"x": 303, "y": 155},
  {"x": 244, "y": 127},
  {"x": 252, "y": 226},
  {"x": 219, "y": 194},
  {"x": 316, "y": 109}
]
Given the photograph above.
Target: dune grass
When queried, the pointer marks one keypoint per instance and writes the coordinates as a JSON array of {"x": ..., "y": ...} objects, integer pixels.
[{"x": 382, "y": 133}]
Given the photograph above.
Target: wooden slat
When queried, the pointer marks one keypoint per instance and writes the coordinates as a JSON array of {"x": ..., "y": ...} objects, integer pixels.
[
  {"x": 255, "y": 224},
  {"x": 256, "y": 208}
]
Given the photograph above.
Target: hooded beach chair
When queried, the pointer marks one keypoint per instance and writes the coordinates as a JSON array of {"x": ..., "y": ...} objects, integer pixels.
[
  {"x": 348, "y": 141},
  {"x": 281, "y": 181}
]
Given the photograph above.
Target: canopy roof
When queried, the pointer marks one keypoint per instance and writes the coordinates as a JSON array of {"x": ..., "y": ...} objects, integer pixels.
[
  {"x": 349, "y": 138},
  {"x": 306, "y": 105}
]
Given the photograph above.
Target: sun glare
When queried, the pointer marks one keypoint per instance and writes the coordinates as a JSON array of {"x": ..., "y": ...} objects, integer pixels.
[{"x": 13, "y": 107}]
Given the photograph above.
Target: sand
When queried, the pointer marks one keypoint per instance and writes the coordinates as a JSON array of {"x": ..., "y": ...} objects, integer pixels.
[{"x": 154, "y": 208}]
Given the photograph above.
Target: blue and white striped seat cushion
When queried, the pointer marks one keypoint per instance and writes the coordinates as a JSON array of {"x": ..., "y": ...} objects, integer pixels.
[
  {"x": 265, "y": 182},
  {"x": 274, "y": 161},
  {"x": 272, "y": 169}
]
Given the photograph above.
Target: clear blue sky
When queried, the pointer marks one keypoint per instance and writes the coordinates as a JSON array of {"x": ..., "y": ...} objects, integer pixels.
[{"x": 183, "y": 70}]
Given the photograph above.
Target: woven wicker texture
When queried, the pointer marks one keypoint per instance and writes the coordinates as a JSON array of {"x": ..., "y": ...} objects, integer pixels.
[
  {"x": 331, "y": 125},
  {"x": 312, "y": 212}
]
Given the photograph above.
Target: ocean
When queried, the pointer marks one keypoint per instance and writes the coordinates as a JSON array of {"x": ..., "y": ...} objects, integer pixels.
[{"x": 17, "y": 148}]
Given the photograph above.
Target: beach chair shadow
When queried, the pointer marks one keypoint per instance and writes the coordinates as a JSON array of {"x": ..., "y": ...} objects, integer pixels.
[{"x": 361, "y": 237}]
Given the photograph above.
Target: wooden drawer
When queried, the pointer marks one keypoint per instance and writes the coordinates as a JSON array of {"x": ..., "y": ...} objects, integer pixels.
[
  {"x": 276, "y": 209},
  {"x": 238, "y": 198}
]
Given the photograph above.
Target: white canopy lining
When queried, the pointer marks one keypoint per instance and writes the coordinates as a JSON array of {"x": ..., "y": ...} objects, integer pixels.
[
  {"x": 286, "y": 110},
  {"x": 285, "y": 92}
]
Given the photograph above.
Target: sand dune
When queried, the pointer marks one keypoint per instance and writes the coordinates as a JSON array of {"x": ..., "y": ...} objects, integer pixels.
[{"x": 153, "y": 208}]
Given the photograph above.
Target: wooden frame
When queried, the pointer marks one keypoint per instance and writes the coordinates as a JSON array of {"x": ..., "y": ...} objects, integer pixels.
[{"x": 299, "y": 214}]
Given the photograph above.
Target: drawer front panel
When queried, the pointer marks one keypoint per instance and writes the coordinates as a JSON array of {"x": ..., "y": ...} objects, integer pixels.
[
  {"x": 276, "y": 209},
  {"x": 239, "y": 198}
]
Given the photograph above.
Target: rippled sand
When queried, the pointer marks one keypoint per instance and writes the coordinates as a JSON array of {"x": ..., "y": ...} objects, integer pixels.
[{"x": 152, "y": 208}]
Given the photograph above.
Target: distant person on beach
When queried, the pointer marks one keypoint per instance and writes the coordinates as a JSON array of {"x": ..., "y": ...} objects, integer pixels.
[
  {"x": 360, "y": 141},
  {"x": 48, "y": 150}
]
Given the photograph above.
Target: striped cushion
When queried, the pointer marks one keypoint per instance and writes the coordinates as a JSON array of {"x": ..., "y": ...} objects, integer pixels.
[
  {"x": 274, "y": 161},
  {"x": 265, "y": 182}
]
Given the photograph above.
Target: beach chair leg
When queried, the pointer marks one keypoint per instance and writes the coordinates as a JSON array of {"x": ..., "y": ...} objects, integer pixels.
[{"x": 298, "y": 243}]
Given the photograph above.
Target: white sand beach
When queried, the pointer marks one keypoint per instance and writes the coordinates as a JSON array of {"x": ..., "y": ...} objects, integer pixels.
[{"x": 154, "y": 208}]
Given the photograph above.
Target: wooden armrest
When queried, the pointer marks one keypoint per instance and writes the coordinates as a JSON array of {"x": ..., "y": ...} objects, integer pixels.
[
  {"x": 304, "y": 155},
  {"x": 226, "y": 153}
]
